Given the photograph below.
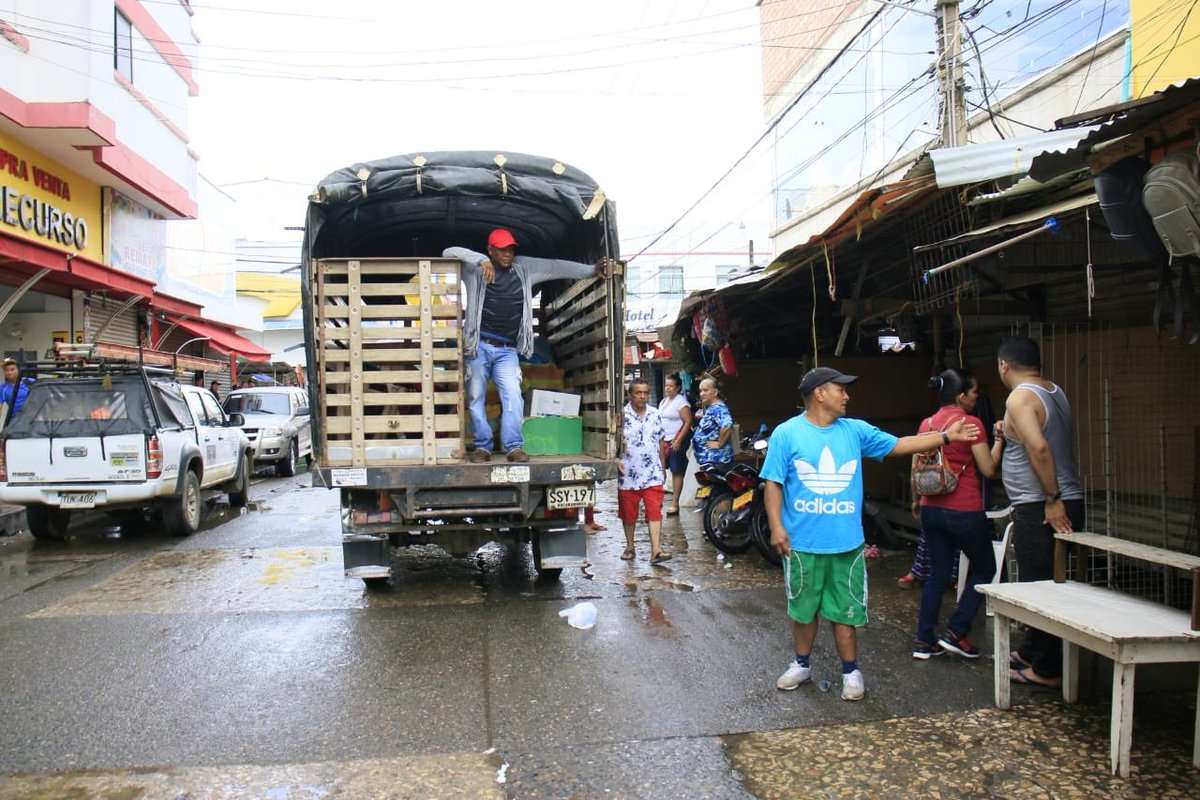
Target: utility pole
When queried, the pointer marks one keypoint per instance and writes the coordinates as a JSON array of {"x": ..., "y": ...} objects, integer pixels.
[{"x": 950, "y": 76}]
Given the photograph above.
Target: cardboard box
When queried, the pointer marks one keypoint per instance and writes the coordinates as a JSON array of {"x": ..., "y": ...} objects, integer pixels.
[
  {"x": 554, "y": 404},
  {"x": 553, "y": 436}
]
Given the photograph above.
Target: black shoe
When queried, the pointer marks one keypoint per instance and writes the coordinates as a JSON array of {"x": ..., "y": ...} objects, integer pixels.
[
  {"x": 959, "y": 645},
  {"x": 925, "y": 651}
]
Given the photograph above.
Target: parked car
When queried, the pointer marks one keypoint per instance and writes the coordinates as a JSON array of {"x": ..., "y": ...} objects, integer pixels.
[
  {"x": 120, "y": 438},
  {"x": 277, "y": 424}
]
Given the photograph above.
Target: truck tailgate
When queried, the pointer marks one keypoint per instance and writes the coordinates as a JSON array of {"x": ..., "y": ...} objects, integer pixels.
[{"x": 83, "y": 459}]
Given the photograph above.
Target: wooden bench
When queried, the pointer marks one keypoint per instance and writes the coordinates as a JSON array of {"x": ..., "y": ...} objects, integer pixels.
[
  {"x": 1126, "y": 629},
  {"x": 1080, "y": 543}
]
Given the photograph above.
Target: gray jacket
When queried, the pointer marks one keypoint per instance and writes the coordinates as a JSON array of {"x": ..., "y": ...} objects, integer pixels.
[{"x": 531, "y": 271}]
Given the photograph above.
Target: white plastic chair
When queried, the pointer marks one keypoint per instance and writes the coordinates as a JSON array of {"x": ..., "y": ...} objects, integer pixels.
[{"x": 1000, "y": 548}]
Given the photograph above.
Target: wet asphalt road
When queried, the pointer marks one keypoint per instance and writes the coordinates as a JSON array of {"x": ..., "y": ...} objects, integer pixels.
[{"x": 240, "y": 663}]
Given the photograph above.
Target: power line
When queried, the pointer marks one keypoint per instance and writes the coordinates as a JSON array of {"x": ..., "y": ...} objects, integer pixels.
[
  {"x": 1178, "y": 32},
  {"x": 1092, "y": 59},
  {"x": 762, "y": 137},
  {"x": 105, "y": 46}
]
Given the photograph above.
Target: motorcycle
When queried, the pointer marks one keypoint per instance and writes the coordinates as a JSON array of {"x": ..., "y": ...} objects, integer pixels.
[
  {"x": 729, "y": 492},
  {"x": 875, "y": 527}
]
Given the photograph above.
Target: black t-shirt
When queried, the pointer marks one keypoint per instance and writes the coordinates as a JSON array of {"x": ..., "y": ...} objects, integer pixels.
[{"x": 503, "y": 305}]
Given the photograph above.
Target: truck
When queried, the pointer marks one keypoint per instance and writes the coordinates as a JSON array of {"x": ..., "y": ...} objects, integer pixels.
[
  {"x": 122, "y": 439},
  {"x": 384, "y": 320}
]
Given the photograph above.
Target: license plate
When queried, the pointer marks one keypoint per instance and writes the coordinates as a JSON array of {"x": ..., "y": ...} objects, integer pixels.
[
  {"x": 571, "y": 496},
  {"x": 703, "y": 492},
  {"x": 743, "y": 499},
  {"x": 77, "y": 500}
]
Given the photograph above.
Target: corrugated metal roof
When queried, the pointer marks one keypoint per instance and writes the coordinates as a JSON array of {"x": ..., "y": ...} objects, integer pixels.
[
  {"x": 975, "y": 163},
  {"x": 1125, "y": 118},
  {"x": 1033, "y": 215}
]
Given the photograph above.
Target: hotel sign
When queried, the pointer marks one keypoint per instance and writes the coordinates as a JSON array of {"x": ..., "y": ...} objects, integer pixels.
[{"x": 43, "y": 202}]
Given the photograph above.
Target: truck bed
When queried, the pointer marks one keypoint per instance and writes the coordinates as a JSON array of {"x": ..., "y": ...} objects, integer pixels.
[{"x": 540, "y": 471}]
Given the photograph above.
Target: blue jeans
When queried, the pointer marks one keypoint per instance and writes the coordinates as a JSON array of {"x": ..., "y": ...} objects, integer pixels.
[
  {"x": 946, "y": 532},
  {"x": 500, "y": 364}
]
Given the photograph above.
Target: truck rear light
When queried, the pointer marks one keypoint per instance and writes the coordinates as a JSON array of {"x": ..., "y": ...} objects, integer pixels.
[
  {"x": 153, "y": 458},
  {"x": 3, "y": 462}
]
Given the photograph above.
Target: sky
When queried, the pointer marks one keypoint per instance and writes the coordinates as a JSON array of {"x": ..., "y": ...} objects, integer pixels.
[{"x": 653, "y": 98}]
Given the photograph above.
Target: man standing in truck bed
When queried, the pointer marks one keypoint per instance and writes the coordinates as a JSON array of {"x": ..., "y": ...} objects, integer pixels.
[{"x": 499, "y": 330}]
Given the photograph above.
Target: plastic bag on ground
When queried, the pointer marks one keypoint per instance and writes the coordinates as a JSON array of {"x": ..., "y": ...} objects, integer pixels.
[{"x": 580, "y": 615}]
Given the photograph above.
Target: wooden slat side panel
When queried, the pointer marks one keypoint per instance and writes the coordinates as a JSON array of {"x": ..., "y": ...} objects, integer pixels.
[
  {"x": 385, "y": 332},
  {"x": 395, "y": 376},
  {"x": 355, "y": 426},
  {"x": 373, "y": 355},
  {"x": 381, "y": 383},
  {"x": 392, "y": 312},
  {"x": 580, "y": 327},
  {"x": 409, "y": 423}
]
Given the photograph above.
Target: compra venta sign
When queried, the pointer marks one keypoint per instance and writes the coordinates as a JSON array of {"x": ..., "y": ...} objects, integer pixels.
[{"x": 34, "y": 215}]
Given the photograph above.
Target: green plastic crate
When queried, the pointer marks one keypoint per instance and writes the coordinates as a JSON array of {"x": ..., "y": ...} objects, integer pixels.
[{"x": 553, "y": 436}]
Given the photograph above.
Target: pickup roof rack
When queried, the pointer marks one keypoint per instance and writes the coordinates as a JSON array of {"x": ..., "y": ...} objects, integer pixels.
[{"x": 78, "y": 369}]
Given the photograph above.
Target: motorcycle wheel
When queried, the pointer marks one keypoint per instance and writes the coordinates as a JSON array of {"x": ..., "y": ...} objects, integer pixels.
[
  {"x": 727, "y": 540},
  {"x": 760, "y": 535}
]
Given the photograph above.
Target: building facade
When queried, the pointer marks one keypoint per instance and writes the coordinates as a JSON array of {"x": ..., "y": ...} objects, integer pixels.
[
  {"x": 855, "y": 89},
  {"x": 101, "y": 195}
]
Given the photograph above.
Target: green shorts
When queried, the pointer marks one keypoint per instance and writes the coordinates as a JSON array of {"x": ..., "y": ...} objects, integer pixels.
[{"x": 831, "y": 584}]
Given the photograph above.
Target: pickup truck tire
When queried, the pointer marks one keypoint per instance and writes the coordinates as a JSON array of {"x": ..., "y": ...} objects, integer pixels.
[
  {"x": 181, "y": 515},
  {"x": 287, "y": 466},
  {"x": 239, "y": 493},
  {"x": 46, "y": 522}
]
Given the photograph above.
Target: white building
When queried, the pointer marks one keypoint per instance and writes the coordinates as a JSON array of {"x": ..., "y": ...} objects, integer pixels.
[
  {"x": 101, "y": 234},
  {"x": 850, "y": 120}
]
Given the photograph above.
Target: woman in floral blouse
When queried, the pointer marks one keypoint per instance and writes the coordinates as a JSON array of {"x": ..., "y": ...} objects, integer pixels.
[{"x": 714, "y": 432}]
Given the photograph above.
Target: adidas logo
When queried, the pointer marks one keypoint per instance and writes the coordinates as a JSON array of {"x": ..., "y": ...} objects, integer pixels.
[{"x": 826, "y": 477}]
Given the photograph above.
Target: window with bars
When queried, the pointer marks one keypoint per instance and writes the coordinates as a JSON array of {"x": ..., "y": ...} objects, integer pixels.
[
  {"x": 633, "y": 279},
  {"x": 123, "y": 45},
  {"x": 670, "y": 279}
]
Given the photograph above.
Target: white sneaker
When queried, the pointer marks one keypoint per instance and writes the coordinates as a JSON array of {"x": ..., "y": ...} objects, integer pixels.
[
  {"x": 794, "y": 676},
  {"x": 852, "y": 686}
]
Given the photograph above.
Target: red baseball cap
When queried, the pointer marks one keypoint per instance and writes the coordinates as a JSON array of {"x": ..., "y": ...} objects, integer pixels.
[{"x": 501, "y": 238}]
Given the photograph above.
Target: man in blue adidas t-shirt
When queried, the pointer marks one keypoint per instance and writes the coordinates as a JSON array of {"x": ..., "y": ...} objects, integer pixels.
[{"x": 814, "y": 497}]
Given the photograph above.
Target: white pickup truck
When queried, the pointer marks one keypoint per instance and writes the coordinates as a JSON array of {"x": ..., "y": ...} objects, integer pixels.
[{"x": 118, "y": 438}]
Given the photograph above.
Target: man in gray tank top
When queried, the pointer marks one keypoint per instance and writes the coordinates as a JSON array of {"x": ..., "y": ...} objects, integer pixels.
[{"x": 1042, "y": 483}]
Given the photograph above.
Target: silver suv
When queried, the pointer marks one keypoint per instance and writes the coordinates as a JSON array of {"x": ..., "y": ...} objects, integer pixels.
[{"x": 277, "y": 425}]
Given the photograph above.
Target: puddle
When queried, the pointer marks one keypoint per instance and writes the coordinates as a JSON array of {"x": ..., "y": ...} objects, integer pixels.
[{"x": 651, "y": 611}]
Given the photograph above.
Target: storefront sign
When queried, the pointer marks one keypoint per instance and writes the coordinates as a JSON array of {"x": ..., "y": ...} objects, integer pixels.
[
  {"x": 650, "y": 315},
  {"x": 137, "y": 239},
  {"x": 44, "y": 202}
]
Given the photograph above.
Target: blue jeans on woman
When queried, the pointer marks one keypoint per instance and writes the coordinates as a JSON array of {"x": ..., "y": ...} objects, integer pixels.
[
  {"x": 500, "y": 364},
  {"x": 946, "y": 532}
]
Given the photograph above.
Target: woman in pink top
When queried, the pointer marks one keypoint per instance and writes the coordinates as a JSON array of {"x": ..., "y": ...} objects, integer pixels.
[{"x": 955, "y": 521}]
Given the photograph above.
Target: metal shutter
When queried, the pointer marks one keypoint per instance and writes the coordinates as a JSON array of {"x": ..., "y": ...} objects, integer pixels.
[{"x": 122, "y": 330}]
